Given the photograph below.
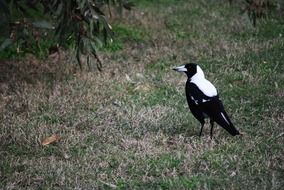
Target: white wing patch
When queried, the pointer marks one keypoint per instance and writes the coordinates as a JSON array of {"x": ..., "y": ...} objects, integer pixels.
[
  {"x": 196, "y": 101},
  {"x": 205, "y": 100},
  {"x": 225, "y": 118}
]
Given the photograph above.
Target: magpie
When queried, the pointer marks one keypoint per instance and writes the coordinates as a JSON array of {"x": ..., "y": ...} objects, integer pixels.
[{"x": 203, "y": 99}]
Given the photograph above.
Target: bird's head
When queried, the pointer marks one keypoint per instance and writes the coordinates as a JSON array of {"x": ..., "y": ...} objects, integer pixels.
[{"x": 190, "y": 69}]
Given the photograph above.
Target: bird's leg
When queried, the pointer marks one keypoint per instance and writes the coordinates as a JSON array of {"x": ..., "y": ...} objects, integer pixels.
[
  {"x": 211, "y": 130},
  {"x": 202, "y": 125}
]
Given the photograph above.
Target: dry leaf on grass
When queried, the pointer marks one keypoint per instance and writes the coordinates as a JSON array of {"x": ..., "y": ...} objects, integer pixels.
[{"x": 51, "y": 139}]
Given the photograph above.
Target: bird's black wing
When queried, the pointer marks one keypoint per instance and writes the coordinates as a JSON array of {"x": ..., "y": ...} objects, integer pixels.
[{"x": 195, "y": 95}]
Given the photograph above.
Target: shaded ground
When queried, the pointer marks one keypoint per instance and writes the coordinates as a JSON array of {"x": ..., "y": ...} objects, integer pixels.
[{"x": 129, "y": 127}]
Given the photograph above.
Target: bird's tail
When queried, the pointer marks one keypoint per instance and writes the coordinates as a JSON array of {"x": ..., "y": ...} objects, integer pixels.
[{"x": 224, "y": 121}]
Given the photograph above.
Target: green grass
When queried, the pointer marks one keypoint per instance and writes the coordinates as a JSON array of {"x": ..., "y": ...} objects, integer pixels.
[
  {"x": 129, "y": 126},
  {"x": 124, "y": 34}
]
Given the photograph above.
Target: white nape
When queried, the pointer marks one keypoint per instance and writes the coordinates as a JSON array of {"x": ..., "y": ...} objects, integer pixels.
[{"x": 203, "y": 84}]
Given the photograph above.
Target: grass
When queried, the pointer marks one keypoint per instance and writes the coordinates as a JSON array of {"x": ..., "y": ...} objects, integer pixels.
[
  {"x": 123, "y": 35},
  {"x": 129, "y": 126}
]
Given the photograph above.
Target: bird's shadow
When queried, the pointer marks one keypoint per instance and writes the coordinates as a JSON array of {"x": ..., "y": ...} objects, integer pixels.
[{"x": 184, "y": 129}]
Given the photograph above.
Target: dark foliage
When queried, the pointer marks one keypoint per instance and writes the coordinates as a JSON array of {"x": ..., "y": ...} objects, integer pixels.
[
  {"x": 258, "y": 9},
  {"x": 24, "y": 23}
]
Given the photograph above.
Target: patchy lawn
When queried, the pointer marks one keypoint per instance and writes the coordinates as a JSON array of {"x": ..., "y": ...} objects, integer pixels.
[{"x": 129, "y": 126}]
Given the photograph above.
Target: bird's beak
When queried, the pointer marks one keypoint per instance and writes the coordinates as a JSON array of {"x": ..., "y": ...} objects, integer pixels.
[{"x": 180, "y": 69}]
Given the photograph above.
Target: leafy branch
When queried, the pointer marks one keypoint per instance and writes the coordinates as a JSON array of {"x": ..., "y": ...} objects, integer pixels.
[{"x": 23, "y": 22}]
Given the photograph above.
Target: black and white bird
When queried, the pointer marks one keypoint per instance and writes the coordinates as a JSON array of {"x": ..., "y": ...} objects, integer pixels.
[{"x": 203, "y": 99}]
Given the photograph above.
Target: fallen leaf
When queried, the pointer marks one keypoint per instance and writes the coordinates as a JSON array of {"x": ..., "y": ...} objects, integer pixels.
[{"x": 51, "y": 139}]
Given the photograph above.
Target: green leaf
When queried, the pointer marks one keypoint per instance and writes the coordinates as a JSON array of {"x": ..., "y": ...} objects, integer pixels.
[
  {"x": 7, "y": 42},
  {"x": 88, "y": 62},
  {"x": 94, "y": 52},
  {"x": 93, "y": 46}
]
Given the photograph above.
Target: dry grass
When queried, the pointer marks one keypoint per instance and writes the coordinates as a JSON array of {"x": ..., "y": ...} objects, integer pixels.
[{"x": 129, "y": 127}]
